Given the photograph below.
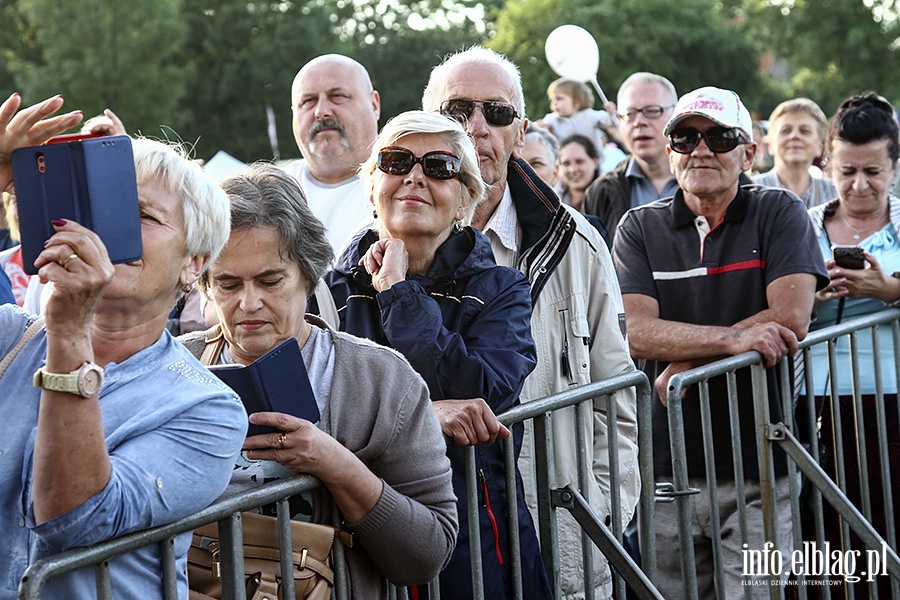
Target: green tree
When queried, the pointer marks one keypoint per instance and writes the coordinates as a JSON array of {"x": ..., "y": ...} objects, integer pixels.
[
  {"x": 692, "y": 42},
  {"x": 828, "y": 54},
  {"x": 90, "y": 50}
]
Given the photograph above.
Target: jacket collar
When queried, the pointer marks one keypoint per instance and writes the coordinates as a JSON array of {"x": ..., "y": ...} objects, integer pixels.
[
  {"x": 465, "y": 253},
  {"x": 536, "y": 203}
]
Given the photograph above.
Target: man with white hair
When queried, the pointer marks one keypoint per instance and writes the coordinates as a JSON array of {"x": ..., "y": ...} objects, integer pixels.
[
  {"x": 578, "y": 319},
  {"x": 335, "y": 120},
  {"x": 716, "y": 270}
]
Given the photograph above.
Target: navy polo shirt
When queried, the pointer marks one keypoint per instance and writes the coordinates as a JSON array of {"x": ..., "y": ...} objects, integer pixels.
[{"x": 714, "y": 274}]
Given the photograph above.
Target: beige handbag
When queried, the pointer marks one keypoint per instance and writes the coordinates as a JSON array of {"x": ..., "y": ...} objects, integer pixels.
[{"x": 313, "y": 573}]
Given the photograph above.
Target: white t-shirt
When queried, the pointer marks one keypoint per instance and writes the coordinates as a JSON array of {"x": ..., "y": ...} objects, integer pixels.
[{"x": 341, "y": 207}]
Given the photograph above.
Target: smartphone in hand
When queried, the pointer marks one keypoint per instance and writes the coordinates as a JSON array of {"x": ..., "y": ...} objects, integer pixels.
[{"x": 849, "y": 257}]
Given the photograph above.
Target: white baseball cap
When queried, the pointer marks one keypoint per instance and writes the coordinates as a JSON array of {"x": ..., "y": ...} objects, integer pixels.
[{"x": 723, "y": 107}]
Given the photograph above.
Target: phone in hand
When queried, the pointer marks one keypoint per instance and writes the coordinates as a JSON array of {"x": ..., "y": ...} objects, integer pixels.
[
  {"x": 849, "y": 257},
  {"x": 85, "y": 178}
]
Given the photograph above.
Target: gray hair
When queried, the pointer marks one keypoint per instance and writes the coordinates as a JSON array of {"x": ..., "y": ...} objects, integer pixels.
[
  {"x": 266, "y": 197},
  {"x": 416, "y": 122},
  {"x": 643, "y": 77},
  {"x": 205, "y": 205},
  {"x": 542, "y": 136},
  {"x": 437, "y": 82}
]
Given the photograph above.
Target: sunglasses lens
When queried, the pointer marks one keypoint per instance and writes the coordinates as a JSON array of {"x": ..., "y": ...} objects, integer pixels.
[
  {"x": 395, "y": 162},
  {"x": 499, "y": 113},
  {"x": 458, "y": 110},
  {"x": 438, "y": 165},
  {"x": 720, "y": 139},
  {"x": 684, "y": 141}
]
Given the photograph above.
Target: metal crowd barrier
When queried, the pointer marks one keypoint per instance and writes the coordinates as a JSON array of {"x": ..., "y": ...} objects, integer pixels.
[
  {"x": 227, "y": 513},
  {"x": 801, "y": 460}
]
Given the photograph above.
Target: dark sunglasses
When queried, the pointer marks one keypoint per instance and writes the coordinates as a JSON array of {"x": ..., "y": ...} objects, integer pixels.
[
  {"x": 718, "y": 139},
  {"x": 499, "y": 114},
  {"x": 395, "y": 160}
]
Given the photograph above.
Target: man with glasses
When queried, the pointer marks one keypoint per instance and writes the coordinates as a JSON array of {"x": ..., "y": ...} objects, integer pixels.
[
  {"x": 578, "y": 319},
  {"x": 717, "y": 270},
  {"x": 645, "y": 103},
  {"x": 335, "y": 120}
]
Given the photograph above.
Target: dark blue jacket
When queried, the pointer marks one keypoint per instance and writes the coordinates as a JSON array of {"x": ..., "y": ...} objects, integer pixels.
[{"x": 465, "y": 326}]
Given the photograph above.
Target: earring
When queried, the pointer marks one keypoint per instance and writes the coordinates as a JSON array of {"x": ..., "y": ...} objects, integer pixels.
[
  {"x": 374, "y": 214},
  {"x": 186, "y": 289},
  {"x": 457, "y": 226}
]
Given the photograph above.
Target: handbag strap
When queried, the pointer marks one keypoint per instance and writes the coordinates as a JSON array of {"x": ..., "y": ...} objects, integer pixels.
[
  {"x": 29, "y": 333},
  {"x": 327, "y": 308},
  {"x": 214, "y": 342}
]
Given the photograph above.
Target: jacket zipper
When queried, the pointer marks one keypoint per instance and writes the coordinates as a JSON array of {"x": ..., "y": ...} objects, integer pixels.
[{"x": 490, "y": 514}]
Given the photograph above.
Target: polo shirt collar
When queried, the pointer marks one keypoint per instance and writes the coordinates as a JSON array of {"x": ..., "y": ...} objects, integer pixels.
[{"x": 682, "y": 215}]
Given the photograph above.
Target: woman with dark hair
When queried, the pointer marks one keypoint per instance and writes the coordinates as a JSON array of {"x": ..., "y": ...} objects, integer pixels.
[
  {"x": 579, "y": 166},
  {"x": 863, "y": 147}
]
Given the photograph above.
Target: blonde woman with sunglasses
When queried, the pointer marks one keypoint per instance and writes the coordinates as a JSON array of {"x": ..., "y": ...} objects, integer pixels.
[{"x": 425, "y": 283}]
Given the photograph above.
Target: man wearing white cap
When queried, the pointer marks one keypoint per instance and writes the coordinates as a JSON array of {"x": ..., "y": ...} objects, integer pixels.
[{"x": 716, "y": 270}]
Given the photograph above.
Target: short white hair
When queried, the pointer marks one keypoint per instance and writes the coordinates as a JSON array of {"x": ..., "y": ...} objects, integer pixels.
[
  {"x": 437, "y": 82},
  {"x": 207, "y": 218}
]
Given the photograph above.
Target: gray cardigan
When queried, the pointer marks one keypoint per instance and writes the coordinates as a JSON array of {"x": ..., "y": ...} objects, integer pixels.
[{"x": 380, "y": 409}]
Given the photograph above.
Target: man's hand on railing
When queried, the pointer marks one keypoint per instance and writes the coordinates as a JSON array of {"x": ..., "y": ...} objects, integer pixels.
[
  {"x": 662, "y": 381},
  {"x": 469, "y": 422},
  {"x": 772, "y": 340}
]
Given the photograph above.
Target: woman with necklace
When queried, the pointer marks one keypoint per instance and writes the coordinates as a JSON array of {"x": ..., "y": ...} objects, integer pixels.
[{"x": 864, "y": 147}]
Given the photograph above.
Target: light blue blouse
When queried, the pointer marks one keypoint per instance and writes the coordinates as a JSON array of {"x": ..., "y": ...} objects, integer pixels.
[
  {"x": 173, "y": 432},
  {"x": 885, "y": 246}
]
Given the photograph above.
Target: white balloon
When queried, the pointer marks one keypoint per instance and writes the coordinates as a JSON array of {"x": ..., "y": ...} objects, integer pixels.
[{"x": 572, "y": 52}]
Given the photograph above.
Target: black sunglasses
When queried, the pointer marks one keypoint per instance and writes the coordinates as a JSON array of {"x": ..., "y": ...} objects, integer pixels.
[
  {"x": 718, "y": 139},
  {"x": 395, "y": 160},
  {"x": 499, "y": 114}
]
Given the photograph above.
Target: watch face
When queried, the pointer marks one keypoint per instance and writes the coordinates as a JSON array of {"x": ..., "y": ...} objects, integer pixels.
[{"x": 91, "y": 380}]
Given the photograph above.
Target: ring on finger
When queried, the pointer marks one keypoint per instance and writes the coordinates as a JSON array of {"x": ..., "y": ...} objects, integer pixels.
[
  {"x": 281, "y": 440},
  {"x": 67, "y": 259}
]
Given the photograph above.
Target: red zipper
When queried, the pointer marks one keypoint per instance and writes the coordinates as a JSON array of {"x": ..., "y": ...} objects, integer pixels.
[{"x": 490, "y": 514}]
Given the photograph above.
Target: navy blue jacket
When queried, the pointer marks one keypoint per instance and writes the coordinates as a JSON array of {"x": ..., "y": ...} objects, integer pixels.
[{"x": 465, "y": 326}]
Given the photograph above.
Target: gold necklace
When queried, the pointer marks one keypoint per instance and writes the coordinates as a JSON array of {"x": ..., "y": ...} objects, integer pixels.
[{"x": 859, "y": 232}]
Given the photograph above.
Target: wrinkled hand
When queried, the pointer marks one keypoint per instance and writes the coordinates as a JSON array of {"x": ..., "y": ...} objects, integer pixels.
[
  {"x": 30, "y": 126},
  {"x": 871, "y": 282},
  {"x": 113, "y": 127},
  {"x": 772, "y": 340},
  {"x": 662, "y": 381},
  {"x": 76, "y": 262},
  {"x": 387, "y": 262},
  {"x": 302, "y": 447},
  {"x": 469, "y": 422}
]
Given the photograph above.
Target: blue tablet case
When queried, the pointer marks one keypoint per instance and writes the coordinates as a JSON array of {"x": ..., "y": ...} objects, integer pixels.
[
  {"x": 276, "y": 381},
  {"x": 91, "y": 182}
]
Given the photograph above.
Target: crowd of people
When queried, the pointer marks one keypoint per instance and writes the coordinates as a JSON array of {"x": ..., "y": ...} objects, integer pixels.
[{"x": 456, "y": 263}]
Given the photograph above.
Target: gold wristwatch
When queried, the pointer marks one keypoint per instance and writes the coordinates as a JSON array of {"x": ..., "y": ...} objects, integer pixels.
[{"x": 84, "y": 381}]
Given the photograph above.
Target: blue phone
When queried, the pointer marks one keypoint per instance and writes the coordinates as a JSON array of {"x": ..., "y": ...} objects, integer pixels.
[{"x": 87, "y": 180}]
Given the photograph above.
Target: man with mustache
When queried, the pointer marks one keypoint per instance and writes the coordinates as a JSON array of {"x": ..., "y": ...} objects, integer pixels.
[
  {"x": 645, "y": 103},
  {"x": 716, "y": 270},
  {"x": 578, "y": 325},
  {"x": 335, "y": 120}
]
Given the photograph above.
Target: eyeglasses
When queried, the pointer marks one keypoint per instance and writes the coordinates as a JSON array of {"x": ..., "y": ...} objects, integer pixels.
[
  {"x": 654, "y": 111},
  {"x": 395, "y": 160},
  {"x": 499, "y": 114},
  {"x": 718, "y": 139}
]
